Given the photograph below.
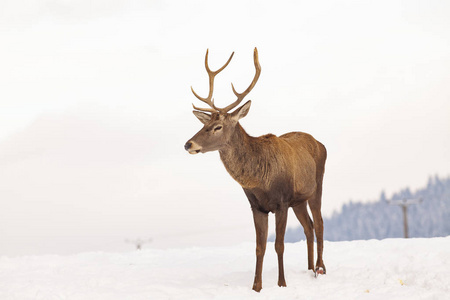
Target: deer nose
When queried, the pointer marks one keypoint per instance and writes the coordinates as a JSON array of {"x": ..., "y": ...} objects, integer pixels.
[{"x": 192, "y": 147}]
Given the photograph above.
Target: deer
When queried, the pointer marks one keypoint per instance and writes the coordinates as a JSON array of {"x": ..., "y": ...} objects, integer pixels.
[{"x": 275, "y": 172}]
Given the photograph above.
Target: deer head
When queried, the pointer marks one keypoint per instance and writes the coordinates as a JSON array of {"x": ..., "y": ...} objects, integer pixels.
[{"x": 219, "y": 124}]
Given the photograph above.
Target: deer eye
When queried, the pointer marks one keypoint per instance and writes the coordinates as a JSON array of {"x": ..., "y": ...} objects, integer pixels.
[{"x": 217, "y": 128}]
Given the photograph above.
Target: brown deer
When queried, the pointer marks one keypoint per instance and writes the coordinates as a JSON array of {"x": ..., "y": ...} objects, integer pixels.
[{"x": 275, "y": 172}]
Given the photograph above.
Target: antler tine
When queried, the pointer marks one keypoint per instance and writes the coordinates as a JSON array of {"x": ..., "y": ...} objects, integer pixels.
[
  {"x": 219, "y": 70},
  {"x": 211, "y": 74},
  {"x": 242, "y": 95},
  {"x": 211, "y": 110}
]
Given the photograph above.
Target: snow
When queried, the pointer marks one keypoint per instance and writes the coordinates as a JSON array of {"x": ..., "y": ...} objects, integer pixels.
[{"x": 386, "y": 269}]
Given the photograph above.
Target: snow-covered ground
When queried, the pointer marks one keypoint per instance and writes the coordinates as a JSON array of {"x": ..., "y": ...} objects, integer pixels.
[{"x": 387, "y": 269}]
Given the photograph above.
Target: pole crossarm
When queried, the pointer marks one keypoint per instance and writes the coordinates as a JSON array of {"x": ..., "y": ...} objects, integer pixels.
[{"x": 406, "y": 202}]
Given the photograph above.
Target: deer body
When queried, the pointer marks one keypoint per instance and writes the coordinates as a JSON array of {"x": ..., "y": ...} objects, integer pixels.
[
  {"x": 270, "y": 164},
  {"x": 275, "y": 173}
]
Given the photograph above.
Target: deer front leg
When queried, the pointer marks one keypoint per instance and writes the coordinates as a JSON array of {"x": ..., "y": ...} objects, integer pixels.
[
  {"x": 280, "y": 228},
  {"x": 261, "y": 225}
]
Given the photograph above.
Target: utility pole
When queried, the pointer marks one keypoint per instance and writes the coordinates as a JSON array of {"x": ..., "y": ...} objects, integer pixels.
[
  {"x": 404, "y": 203},
  {"x": 139, "y": 242}
]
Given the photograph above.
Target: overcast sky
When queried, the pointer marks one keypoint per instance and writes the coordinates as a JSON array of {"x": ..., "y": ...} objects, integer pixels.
[{"x": 95, "y": 107}]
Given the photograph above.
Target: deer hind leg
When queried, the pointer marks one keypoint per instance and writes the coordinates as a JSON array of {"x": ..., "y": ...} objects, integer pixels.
[
  {"x": 308, "y": 228},
  {"x": 261, "y": 226},
  {"x": 315, "y": 206},
  {"x": 280, "y": 229}
]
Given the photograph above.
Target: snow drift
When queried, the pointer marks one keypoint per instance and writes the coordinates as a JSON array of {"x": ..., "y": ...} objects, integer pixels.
[{"x": 387, "y": 269}]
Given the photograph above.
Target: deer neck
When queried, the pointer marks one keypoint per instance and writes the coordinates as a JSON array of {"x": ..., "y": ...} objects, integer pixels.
[{"x": 241, "y": 157}]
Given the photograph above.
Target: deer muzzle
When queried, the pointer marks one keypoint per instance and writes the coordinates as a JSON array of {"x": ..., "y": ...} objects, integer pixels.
[{"x": 192, "y": 147}]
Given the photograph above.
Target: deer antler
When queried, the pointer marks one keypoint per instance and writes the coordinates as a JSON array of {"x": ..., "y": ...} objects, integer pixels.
[
  {"x": 240, "y": 96},
  {"x": 208, "y": 100}
]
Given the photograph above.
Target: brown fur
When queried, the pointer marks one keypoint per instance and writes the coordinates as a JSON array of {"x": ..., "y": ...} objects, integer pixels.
[{"x": 276, "y": 173}]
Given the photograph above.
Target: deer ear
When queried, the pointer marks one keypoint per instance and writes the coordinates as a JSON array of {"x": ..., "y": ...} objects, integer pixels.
[
  {"x": 241, "y": 111},
  {"x": 204, "y": 118}
]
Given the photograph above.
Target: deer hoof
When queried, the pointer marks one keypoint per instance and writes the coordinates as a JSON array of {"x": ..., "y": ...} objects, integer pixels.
[
  {"x": 319, "y": 271},
  {"x": 281, "y": 283},
  {"x": 257, "y": 288}
]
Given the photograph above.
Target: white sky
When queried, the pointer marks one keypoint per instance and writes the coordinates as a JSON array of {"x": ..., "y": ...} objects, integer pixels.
[{"x": 95, "y": 107}]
